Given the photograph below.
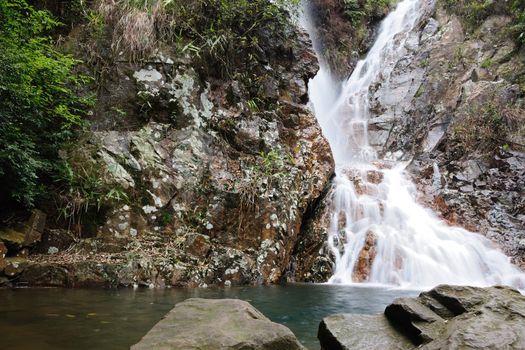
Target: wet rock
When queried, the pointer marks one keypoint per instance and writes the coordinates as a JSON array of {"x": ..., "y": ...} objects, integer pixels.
[
  {"x": 12, "y": 237},
  {"x": 15, "y": 242},
  {"x": 366, "y": 258},
  {"x": 83, "y": 274},
  {"x": 217, "y": 324},
  {"x": 312, "y": 261},
  {"x": 56, "y": 240},
  {"x": 3, "y": 265},
  {"x": 375, "y": 177},
  {"x": 48, "y": 275},
  {"x": 447, "y": 317}
]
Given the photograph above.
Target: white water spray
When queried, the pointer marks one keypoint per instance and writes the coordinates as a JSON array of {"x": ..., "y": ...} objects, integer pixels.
[{"x": 379, "y": 233}]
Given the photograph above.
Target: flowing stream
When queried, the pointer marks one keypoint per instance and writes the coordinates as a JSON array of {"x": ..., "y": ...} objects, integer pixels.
[{"x": 379, "y": 233}]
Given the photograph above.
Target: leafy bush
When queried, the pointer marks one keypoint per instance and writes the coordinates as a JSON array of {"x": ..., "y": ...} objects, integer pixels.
[{"x": 39, "y": 107}]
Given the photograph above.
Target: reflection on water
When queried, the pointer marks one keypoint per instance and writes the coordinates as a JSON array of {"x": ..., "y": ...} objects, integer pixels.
[{"x": 117, "y": 319}]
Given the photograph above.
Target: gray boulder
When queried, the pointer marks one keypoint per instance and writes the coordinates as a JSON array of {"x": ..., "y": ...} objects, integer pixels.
[
  {"x": 345, "y": 332},
  {"x": 217, "y": 325},
  {"x": 445, "y": 318}
]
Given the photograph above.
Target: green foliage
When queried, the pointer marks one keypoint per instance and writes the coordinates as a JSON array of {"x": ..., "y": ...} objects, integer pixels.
[
  {"x": 82, "y": 187},
  {"x": 518, "y": 10},
  {"x": 223, "y": 33},
  {"x": 272, "y": 163},
  {"x": 357, "y": 19},
  {"x": 353, "y": 11},
  {"x": 474, "y": 12},
  {"x": 358, "y": 10},
  {"x": 486, "y": 63},
  {"x": 39, "y": 107},
  {"x": 483, "y": 128},
  {"x": 261, "y": 177}
]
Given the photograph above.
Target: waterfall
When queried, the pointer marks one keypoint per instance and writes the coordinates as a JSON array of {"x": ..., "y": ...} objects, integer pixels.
[{"x": 379, "y": 233}]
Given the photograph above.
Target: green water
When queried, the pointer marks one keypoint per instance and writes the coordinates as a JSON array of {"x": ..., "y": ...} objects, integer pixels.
[{"x": 117, "y": 319}]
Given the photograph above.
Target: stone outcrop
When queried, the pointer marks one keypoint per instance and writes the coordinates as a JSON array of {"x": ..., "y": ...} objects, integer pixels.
[
  {"x": 218, "y": 325},
  {"x": 210, "y": 179},
  {"x": 16, "y": 241},
  {"x": 446, "y": 317}
]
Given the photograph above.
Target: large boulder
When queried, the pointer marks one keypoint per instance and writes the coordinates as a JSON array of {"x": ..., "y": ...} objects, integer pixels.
[
  {"x": 447, "y": 317},
  {"x": 219, "y": 325},
  {"x": 345, "y": 332}
]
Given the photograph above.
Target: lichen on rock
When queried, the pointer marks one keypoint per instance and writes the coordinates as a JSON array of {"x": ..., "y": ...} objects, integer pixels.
[{"x": 216, "y": 172}]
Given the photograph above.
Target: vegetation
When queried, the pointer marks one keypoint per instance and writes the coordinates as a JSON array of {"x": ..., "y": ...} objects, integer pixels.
[
  {"x": 358, "y": 10},
  {"x": 345, "y": 28},
  {"x": 518, "y": 9},
  {"x": 259, "y": 179},
  {"x": 83, "y": 189},
  {"x": 39, "y": 108},
  {"x": 486, "y": 127},
  {"x": 474, "y": 12},
  {"x": 219, "y": 31}
]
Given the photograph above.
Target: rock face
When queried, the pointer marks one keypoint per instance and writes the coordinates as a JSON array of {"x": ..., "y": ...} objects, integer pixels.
[
  {"x": 209, "y": 179},
  {"x": 453, "y": 107},
  {"x": 202, "y": 324},
  {"x": 15, "y": 243},
  {"x": 446, "y": 317}
]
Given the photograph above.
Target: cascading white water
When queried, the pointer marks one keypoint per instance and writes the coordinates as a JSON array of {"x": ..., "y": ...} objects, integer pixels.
[{"x": 379, "y": 233}]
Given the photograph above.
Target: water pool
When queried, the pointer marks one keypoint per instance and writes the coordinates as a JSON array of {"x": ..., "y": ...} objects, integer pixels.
[{"x": 117, "y": 319}]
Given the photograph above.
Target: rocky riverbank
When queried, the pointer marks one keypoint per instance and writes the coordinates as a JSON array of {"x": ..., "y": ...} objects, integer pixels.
[{"x": 447, "y": 317}]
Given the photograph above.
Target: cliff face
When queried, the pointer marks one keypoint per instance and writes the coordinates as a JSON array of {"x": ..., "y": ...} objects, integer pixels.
[
  {"x": 210, "y": 167},
  {"x": 453, "y": 107},
  {"x": 456, "y": 109},
  {"x": 206, "y": 167}
]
